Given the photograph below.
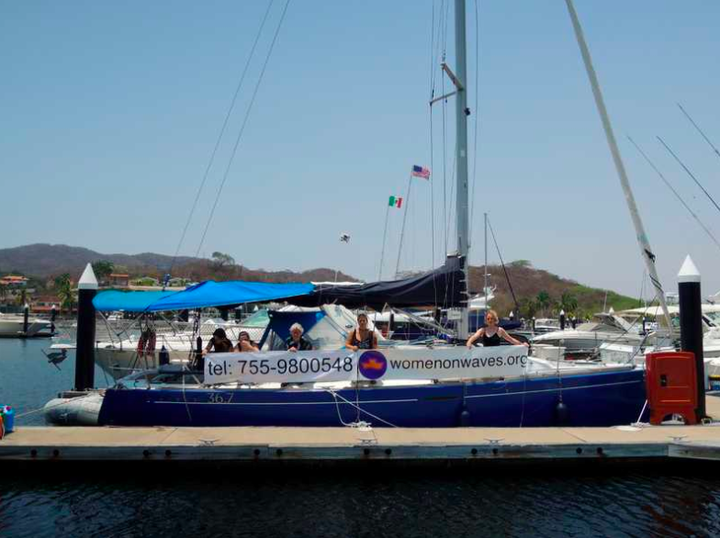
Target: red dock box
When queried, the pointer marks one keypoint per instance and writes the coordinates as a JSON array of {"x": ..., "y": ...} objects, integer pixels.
[{"x": 671, "y": 386}]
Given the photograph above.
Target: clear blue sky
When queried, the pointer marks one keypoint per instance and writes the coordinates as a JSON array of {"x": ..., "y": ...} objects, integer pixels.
[{"x": 110, "y": 111}]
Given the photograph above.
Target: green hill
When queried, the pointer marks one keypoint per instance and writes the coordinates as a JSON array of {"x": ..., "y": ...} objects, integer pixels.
[{"x": 541, "y": 293}]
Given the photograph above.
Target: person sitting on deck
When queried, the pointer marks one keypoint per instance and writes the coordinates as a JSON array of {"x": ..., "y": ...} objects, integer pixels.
[
  {"x": 219, "y": 343},
  {"x": 245, "y": 343},
  {"x": 296, "y": 341},
  {"x": 361, "y": 337},
  {"x": 492, "y": 334}
]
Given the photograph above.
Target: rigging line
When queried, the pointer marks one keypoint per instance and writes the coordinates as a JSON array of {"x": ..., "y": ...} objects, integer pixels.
[
  {"x": 244, "y": 124},
  {"x": 402, "y": 231},
  {"x": 699, "y": 130},
  {"x": 432, "y": 207},
  {"x": 677, "y": 195},
  {"x": 220, "y": 136},
  {"x": 448, "y": 226},
  {"x": 382, "y": 253},
  {"x": 475, "y": 121},
  {"x": 688, "y": 172},
  {"x": 444, "y": 158},
  {"x": 507, "y": 276},
  {"x": 432, "y": 49},
  {"x": 444, "y": 116},
  {"x": 432, "y": 149}
]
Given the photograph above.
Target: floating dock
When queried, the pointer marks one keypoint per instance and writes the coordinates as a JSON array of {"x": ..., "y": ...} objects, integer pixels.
[{"x": 277, "y": 445}]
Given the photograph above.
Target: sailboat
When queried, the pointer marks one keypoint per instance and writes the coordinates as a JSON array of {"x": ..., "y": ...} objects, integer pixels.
[{"x": 403, "y": 386}]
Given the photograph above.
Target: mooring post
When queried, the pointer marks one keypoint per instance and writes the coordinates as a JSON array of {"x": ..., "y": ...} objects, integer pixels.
[
  {"x": 85, "y": 352},
  {"x": 26, "y": 319},
  {"x": 691, "y": 333},
  {"x": 562, "y": 320},
  {"x": 53, "y": 315}
]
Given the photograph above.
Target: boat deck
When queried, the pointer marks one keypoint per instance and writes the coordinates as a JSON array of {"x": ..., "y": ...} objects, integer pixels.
[{"x": 336, "y": 445}]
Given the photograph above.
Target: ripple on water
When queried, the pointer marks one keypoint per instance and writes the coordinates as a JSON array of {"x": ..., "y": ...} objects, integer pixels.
[{"x": 351, "y": 503}]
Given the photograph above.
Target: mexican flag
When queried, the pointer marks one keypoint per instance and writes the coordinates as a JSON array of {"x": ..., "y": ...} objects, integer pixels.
[{"x": 395, "y": 201}]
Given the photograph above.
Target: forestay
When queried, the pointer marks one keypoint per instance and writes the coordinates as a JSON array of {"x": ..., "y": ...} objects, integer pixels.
[{"x": 345, "y": 365}]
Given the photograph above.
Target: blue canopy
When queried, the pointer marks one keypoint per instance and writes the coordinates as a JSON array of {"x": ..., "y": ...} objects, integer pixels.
[
  {"x": 129, "y": 301},
  {"x": 201, "y": 295},
  {"x": 280, "y": 322}
]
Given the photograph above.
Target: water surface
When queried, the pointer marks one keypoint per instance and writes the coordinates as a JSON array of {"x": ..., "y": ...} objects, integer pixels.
[{"x": 667, "y": 501}]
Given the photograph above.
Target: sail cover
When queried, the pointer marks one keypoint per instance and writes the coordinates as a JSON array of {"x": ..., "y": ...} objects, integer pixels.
[
  {"x": 201, "y": 295},
  {"x": 444, "y": 288}
]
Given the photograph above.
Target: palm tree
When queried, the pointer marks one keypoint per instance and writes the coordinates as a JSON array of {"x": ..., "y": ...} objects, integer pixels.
[
  {"x": 543, "y": 301},
  {"x": 64, "y": 291},
  {"x": 568, "y": 302}
]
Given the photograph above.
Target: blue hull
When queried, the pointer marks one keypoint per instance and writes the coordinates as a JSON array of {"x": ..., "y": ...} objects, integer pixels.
[{"x": 598, "y": 399}]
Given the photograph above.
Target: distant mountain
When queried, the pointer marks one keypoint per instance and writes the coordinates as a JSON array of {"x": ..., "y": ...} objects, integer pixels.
[{"x": 43, "y": 260}]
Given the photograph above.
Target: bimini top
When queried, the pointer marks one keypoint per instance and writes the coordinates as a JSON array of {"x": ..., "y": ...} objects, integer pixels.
[
  {"x": 444, "y": 287},
  {"x": 201, "y": 295}
]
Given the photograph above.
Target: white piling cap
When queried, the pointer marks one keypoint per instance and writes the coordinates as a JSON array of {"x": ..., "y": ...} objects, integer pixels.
[
  {"x": 688, "y": 271},
  {"x": 562, "y": 312},
  {"x": 88, "y": 280}
]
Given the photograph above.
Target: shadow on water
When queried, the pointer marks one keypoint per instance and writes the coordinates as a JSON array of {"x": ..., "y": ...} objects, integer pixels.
[{"x": 211, "y": 500}]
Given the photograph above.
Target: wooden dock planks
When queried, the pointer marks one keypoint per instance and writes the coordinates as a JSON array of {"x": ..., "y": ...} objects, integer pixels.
[{"x": 275, "y": 444}]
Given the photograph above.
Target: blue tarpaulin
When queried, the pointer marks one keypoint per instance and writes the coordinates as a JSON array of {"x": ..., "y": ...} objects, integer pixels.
[
  {"x": 201, "y": 295},
  {"x": 280, "y": 322},
  {"x": 129, "y": 301}
]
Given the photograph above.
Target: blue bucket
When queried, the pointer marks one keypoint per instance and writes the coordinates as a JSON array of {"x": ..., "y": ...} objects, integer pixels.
[
  {"x": 714, "y": 383},
  {"x": 8, "y": 415}
]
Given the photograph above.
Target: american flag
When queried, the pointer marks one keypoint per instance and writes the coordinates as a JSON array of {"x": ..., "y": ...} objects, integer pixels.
[{"x": 420, "y": 171}]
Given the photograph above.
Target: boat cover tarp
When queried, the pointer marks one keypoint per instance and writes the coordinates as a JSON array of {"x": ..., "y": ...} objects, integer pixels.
[
  {"x": 444, "y": 287},
  {"x": 129, "y": 301},
  {"x": 201, "y": 295},
  {"x": 280, "y": 322}
]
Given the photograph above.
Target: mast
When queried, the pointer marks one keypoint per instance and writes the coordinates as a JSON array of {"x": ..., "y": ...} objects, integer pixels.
[
  {"x": 642, "y": 239},
  {"x": 461, "y": 157}
]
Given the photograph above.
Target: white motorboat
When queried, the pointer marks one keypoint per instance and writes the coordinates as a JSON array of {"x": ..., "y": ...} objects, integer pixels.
[
  {"x": 13, "y": 326},
  {"x": 609, "y": 328}
]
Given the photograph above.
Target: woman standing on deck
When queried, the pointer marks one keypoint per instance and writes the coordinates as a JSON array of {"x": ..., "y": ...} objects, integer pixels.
[
  {"x": 491, "y": 334},
  {"x": 361, "y": 337}
]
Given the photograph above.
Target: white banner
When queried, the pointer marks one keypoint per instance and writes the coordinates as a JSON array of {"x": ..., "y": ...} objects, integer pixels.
[{"x": 386, "y": 364}]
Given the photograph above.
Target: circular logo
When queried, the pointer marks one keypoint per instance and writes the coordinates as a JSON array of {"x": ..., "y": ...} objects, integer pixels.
[{"x": 372, "y": 364}]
